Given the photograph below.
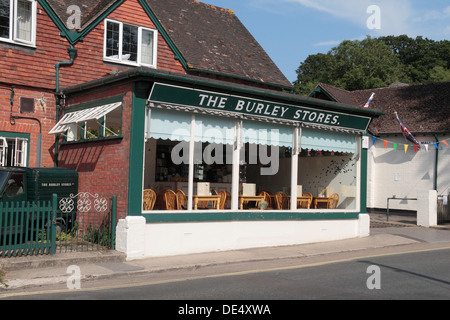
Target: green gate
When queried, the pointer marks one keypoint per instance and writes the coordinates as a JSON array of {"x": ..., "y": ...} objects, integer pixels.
[
  {"x": 95, "y": 224},
  {"x": 37, "y": 228},
  {"x": 27, "y": 228}
]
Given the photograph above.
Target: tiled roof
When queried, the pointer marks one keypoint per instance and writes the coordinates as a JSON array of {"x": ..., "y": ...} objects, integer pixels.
[
  {"x": 423, "y": 108},
  {"x": 90, "y": 9},
  {"x": 210, "y": 39},
  {"x": 214, "y": 39}
]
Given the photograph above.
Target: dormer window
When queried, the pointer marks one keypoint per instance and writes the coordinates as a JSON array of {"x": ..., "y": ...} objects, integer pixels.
[
  {"x": 129, "y": 44},
  {"x": 18, "y": 21}
]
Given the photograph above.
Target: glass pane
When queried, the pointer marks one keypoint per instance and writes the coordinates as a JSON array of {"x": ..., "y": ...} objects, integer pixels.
[
  {"x": 24, "y": 20},
  {"x": 147, "y": 47},
  {"x": 130, "y": 43},
  {"x": 92, "y": 129},
  {"x": 112, "y": 40},
  {"x": 113, "y": 123},
  {"x": 5, "y": 8}
]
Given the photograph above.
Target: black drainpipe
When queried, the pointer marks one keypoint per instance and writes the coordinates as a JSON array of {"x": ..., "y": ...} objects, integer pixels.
[{"x": 72, "y": 53}]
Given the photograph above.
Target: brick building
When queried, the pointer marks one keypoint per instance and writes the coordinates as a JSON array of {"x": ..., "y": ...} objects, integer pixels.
[{"x": 177, "y": 95}]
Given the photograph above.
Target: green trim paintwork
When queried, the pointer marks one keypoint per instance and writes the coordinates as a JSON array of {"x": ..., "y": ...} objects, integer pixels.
[
  {"x": 219, "y": 216},
  {"x": 74, "y": 36},
  {"x": 136, "y": 159},
  {"x": 364, "y": 172},
  {"x": 94, "y": 103},
  {"x": 19, "y": 135},
  {"x": 184, "y": 96}
]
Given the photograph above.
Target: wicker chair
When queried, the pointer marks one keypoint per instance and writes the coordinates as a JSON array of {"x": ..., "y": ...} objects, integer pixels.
[
  {"x": 282, "y": 200},
  {"x": 170, "y": 200},
  {"x": 225, "y": 198},
  {"x": 334, "y": 200},
  {"x": 181, "y": 200},
  {"x": 267, "y": 198},
  {"x": 149, "y": 199},
  {"x": 308, "y": 204}
]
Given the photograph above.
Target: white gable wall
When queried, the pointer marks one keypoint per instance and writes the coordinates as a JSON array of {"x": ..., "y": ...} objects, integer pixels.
[{"x": 396, "y": 173}]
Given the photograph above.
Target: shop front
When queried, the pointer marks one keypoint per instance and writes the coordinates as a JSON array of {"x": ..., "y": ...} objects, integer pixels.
[
  {"x": 214, "y": 166},
  {"x": 230, "y": 169},
  {"x": 206, "y": 151}
]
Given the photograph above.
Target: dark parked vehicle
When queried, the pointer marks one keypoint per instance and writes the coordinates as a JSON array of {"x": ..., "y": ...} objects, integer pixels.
[{"x": 19, "y": 184}]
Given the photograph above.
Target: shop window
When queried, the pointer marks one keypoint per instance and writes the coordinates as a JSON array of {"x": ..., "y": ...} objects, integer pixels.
[
  {"x": 13, "y": 152},
  {"x": 18, "y": 21},
  {"x": 129, "y": 44},
  {"x": 255, "y": 162}
]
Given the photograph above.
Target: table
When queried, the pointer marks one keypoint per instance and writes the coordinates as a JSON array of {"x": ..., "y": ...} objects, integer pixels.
[
  {"x": 243, "y": 199},
  {"x": 317, "y": 200},
  {"x": 214, "y": 198}
]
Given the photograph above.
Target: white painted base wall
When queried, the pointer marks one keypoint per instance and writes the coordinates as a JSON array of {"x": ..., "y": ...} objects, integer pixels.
[{"x": 139, "y": 240}]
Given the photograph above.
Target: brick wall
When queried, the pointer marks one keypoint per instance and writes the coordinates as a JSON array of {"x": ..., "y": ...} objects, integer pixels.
[
  {"x": 44, "y": 110},
  {"x": 103, "y": 166},
  {"x": 35, "y": 67}
]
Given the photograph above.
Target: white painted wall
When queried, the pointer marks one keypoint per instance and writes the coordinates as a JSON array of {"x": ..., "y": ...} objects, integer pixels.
[
  {"x": 140, "y": 240},
  {"x": 394, "y": 172}
]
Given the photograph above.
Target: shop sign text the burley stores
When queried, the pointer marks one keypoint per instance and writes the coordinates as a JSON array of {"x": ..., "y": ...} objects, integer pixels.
[{"x": 163, "y": 93}]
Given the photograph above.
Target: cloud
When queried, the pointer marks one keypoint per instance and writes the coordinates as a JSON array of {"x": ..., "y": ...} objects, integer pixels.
[
  {"x": 327, "y": 43},
  {"x": 395, "y": 15}
]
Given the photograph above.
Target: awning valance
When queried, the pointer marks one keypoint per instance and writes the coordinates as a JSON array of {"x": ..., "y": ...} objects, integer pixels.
[
  {"x": 80, "y": 116},
  {"x": 313, "y": 139}
]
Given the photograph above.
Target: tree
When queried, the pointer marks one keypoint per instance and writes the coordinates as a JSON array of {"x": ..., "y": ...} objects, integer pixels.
[
  {"x": 376, "y": 62},
  {"x": 352, "y": 65},
  {"x": 420, "y": 56}
]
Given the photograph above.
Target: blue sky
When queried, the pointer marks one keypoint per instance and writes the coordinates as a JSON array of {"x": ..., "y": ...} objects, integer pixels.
[{"x": 291, "y": 30}]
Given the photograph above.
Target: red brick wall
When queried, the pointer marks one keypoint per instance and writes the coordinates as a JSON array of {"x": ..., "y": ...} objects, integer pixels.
[
  {"x": 35, "y": 67},
  {"x": 44, "y": 110},
  {"x": 103, "y": 166}
]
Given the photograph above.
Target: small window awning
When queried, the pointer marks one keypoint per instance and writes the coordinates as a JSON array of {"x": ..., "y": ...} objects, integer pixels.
[{"x": 95, "y": 113}]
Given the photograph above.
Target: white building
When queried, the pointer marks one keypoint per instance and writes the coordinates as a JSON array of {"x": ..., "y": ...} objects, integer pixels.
[{"x": 395, "y": 167}]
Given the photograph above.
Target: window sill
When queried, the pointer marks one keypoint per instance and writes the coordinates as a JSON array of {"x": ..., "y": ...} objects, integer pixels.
[
  {"x": 92, "y": 140},
  {"x": 17, "y": 45},
  {"x": 128, "y": 63}
]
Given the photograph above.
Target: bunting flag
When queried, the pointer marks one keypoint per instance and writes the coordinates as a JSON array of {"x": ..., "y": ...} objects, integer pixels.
[
  {"x": 406, "y": 148},
  {"x": 406, "y": 132},
  {"x": 445, "y": 142},
  {"x": 369, "y": 101}
]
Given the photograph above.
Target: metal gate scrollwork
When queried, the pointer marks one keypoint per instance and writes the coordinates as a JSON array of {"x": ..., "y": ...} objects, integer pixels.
[{"x": 84, "y": 203}]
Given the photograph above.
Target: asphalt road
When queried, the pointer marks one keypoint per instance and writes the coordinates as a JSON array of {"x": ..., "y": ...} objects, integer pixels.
[{"x": 410, "y": 276}]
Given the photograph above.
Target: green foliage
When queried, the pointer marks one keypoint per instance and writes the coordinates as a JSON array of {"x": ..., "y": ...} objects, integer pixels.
[
  {"x": 375, "y": 63},
  {"x": 100, "y": 236}
]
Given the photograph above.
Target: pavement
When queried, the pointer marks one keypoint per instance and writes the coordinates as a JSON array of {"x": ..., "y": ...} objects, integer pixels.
[{"x": 35, "y": 271}]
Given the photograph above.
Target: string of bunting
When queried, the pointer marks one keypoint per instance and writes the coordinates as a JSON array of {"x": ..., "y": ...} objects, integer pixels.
[{"x": 416, "y": 146}]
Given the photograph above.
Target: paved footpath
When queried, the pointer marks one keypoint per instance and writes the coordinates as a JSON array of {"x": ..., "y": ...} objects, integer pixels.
[{"x": 26, "y": 272}]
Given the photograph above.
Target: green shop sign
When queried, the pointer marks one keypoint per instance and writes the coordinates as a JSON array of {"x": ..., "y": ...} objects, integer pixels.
[{"x": 163, "y": 93}]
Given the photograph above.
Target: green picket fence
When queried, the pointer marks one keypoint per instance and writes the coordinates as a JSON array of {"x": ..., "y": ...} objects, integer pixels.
[
  {"x": 27, "y": 228},
  {"x": 35, "y": 228}
]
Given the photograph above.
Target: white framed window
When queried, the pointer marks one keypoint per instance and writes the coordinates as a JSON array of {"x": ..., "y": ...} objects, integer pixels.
[
  {"x": 130, "y": 44},
  {"x": 13, "y": 152},
  {"x": 18, "y": 21},
  {"x": 91, "y": 123}
]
